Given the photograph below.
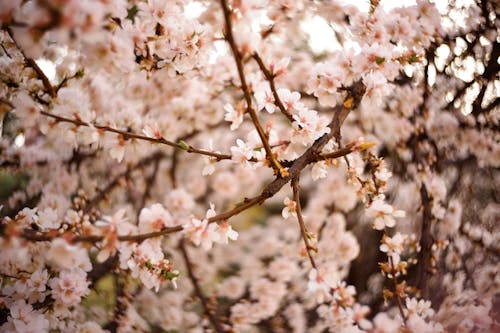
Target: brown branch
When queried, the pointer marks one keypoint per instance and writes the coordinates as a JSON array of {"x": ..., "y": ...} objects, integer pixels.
[
  {"x": 396, "y": 291},
  {"x": 423, "y": 268},
  {"x": 356, "y": 92},
  {"x": 51, "y": 235},
  {"x": 32, "y": 63},
  {"x": 492, "y": 105},
  {"x": 339, "y": 152},
  {"x": 300, "y": 218},
  {"x": 122, "y": 302},
  {"x": 173, "y": 168},
  {"x": 275, "y": 164},
  {"x": 130, "y": 135},
  {"x": 208, "y": 307},
  {"x": 270, "y": 78},
  {"x": 101, "y": 269}
]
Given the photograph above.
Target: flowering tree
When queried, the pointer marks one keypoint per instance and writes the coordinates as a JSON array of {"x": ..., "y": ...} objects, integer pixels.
[{"x": 190, "y": 166}]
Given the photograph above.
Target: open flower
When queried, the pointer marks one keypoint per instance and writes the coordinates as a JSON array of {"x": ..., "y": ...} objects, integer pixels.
[
  {"x": 235, "y": 116},
  {"x": 70, "y": 286},
  {"x": 393, "y": 244},
  {"x": 154, "y": 218},
  {"x": 384, "y": 214},
  {"x": 109, "y": 229},
  {"x": 226, "y": 232},
  {"x": 289, "y": 209},
  {"x": 200, "y": 232}
]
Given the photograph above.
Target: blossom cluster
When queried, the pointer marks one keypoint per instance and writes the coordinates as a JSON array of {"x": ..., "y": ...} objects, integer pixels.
[{"x": 355, "y": 185}]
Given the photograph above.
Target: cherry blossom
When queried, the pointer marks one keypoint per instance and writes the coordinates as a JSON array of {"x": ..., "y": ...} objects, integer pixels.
[
  {"x": 351, "y": 150},
  {"x": 235, "y": 116},
  {"x": 384, "y": 214},
  {"x": 154, "y": 218},
  {"x": 24, "y": 319},
  {"x": 69, "y": 287},
  {"x": 289, "y": 209}
]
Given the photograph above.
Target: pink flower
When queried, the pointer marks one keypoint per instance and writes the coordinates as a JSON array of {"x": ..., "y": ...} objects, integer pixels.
[
  {"x": 242, "y": 152},
  {"x": 154, "y": 218},
  {"x": 200, "y": 232},
  {"x": 393, "y": 246},
  {"x": 66, "y": 256},
  {"x": 152, "y": 131},
  {"x": 289, "y": 209},
  {"x": 264, "y": 97},
  {"x": 26, "y": 320},
  {"x": 226, "y": 232},
  {"x": 290, "y": 99},
  {"x": 384, "y": 214},
  {"x": 279, "y": 67},
  {"x": 69, "y": 287},
  {"x": 235, "y": 116},
  {"x": 109, "y": 229}
]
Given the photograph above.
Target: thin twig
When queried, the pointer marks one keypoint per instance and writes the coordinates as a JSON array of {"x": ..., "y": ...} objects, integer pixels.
[
  {"x": 32, "y": 63},
  {"x": 338, "y": 153},
  {"x": 207, "y": 306},
  {"x": 131, "y": 135},
  {"x": 309, "y": 156},
  {"x": 270, "y": 78},
  {"x": 300, "y": 218},
  {"x": 396, "y": 292},
  {"x": 275, "y": 164}
]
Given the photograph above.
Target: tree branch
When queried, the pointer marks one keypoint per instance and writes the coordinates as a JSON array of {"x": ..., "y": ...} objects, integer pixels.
[
  {"x": 270, "y": 78},
  {"x": 275, "y": 164},
  {"x": 130, "y": 135},
  {"x": 353, "y": 99},
  {"x": 300, "y": 218},
  {"x": 32, "y": 63},
  {"x": 208, "y": 308},
  {"x": 423, "y": 269}
]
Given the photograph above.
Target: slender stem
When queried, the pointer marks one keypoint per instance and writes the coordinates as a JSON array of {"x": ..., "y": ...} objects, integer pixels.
[
  {"x": 309, "y": 156},
  {"x": 32, "y": 63},
  {"x": 396, "y": 292},
  {"x": 130, "y": 135},
  {"x": 338, "y": 153},
  {"x": 275, "y": 164},
  {"x": 50, "y": 235},
  {"x": 270, "y": 78},
  {"x": 300, "y": 218},
  {"x": 207, "y": 306}
]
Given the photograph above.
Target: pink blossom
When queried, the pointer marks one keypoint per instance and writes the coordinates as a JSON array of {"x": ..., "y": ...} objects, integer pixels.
[
  {"x": 70, "y": 286},
  {"x": 154, "y": 218},
  {"x": 289, "y": 209},
  {"x": 384, "y": 214},
  {"x": 235, "y": 116}
]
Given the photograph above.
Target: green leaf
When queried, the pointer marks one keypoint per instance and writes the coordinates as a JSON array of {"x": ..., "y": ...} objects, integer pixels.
[
  {"x": 183, "y": 145},
  {"x": 80, "y": 74},
  {"x": 132, "y": 12}
]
